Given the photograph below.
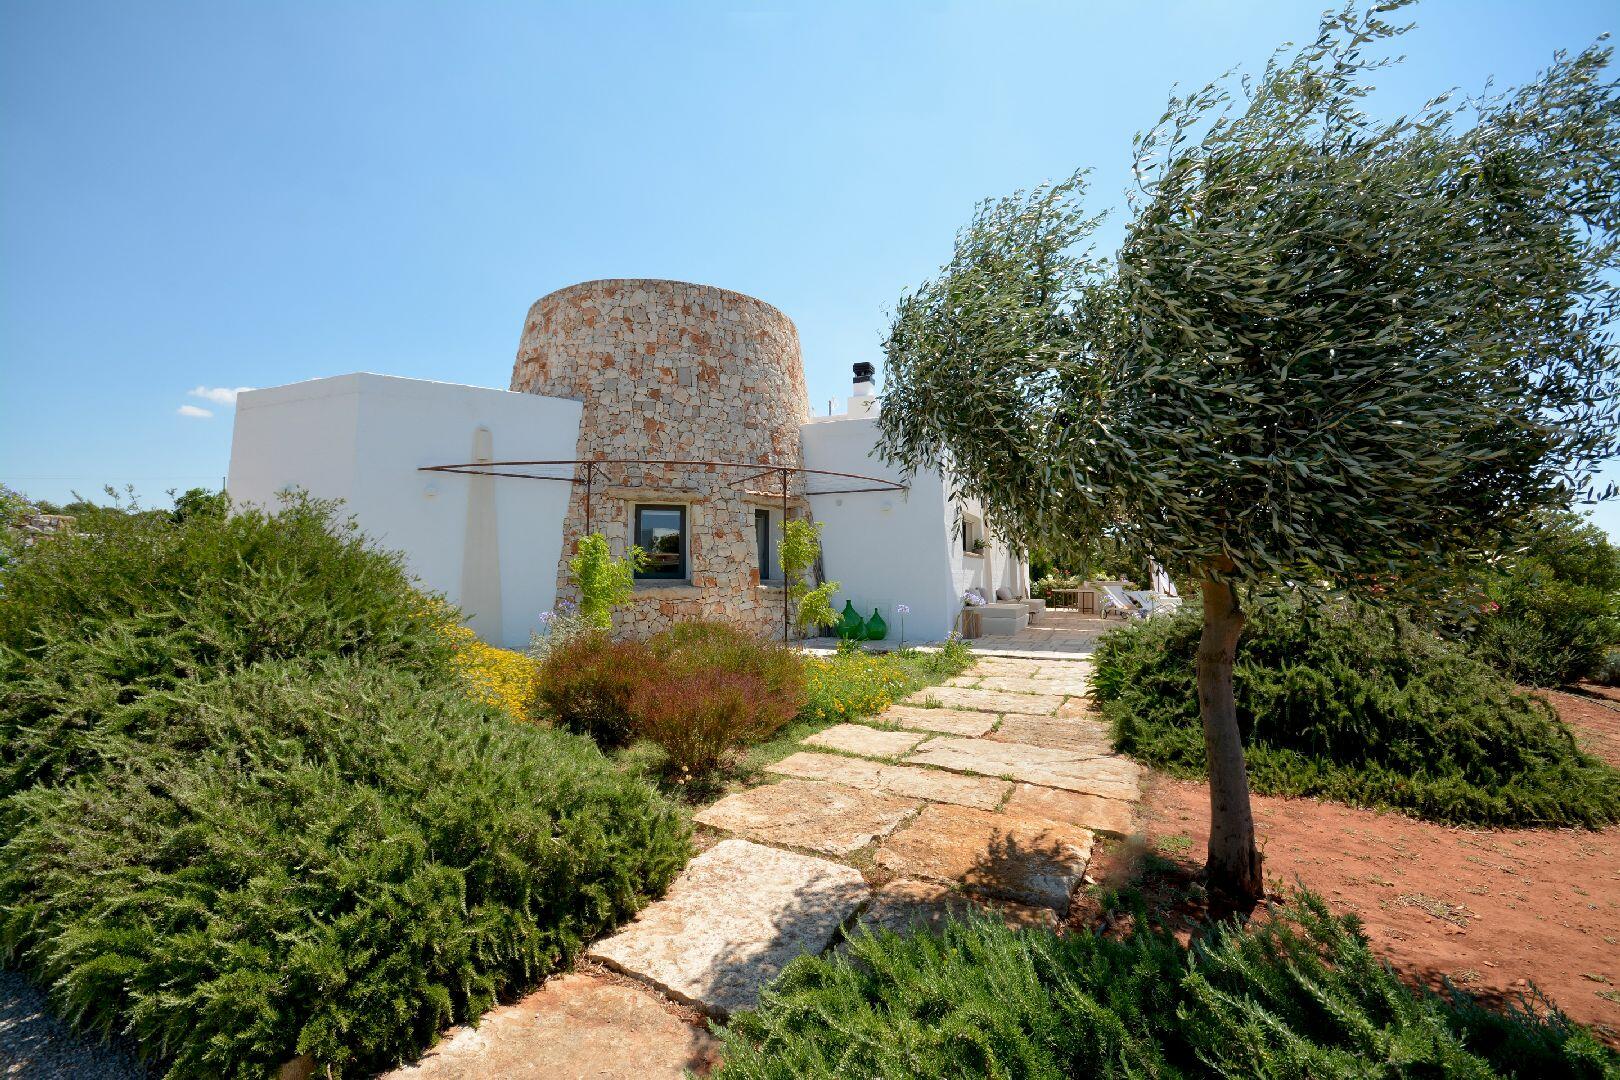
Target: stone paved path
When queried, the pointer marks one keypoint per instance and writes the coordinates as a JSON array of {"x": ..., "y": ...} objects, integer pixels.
[{"x": 986, "y": 793}]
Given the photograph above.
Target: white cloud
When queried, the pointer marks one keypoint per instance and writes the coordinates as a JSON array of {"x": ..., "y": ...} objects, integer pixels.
[
  {"x": 219, "y": 395},
  {"x": 195, "y": 412}
]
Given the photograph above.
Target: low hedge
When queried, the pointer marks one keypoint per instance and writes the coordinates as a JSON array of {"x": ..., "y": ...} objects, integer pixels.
[
  {"x": 98, "y": 628},
  {"x": 1354, "y": 704},
  {"x": 1300, "y": 994},
  {"x": 257, "y": 814}
]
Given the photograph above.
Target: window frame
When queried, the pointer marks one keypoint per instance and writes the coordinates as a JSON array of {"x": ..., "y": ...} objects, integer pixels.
[
  {"x": 768, "y": 545},
  {"x": 972, "y": 531},
  {"x": 683, "y": 569}
]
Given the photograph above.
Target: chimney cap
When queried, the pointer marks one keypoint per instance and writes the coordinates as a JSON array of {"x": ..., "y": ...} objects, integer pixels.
[{"x": 864, "y": 372}]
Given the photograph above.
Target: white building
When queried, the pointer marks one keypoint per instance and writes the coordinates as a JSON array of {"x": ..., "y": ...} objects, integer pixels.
[{"x": 689, "y": 404}]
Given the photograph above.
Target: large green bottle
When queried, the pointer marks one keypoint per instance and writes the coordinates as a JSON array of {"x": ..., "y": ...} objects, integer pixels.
[
  {"x": 876, "y": 628},
  {"x": 851, "y": 627}
]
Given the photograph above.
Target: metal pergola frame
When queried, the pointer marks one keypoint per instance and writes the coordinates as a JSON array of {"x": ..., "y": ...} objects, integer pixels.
[{"x": 591, "y": 465}]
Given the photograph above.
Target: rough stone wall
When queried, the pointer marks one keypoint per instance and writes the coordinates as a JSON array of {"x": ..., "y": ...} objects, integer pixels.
[{"x": 671, "y": 370}]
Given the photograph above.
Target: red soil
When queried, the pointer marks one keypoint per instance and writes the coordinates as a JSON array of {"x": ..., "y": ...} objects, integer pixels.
[{"x": 1495, "y": 911}]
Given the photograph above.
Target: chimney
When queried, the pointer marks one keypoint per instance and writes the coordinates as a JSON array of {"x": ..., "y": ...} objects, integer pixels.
[{"x": 863, "y": 395}]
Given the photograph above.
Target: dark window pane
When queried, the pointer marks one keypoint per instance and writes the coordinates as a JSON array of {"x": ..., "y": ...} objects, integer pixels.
[
  {"x": 762, "y": 543},
  {"x": 661, "y": 533}
]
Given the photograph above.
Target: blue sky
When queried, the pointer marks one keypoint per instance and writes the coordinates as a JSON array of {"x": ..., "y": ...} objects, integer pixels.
[{"x": 216, "y": 195}]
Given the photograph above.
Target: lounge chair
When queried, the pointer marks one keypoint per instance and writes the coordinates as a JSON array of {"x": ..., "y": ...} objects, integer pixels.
[{"x": 1116, "y": 599}]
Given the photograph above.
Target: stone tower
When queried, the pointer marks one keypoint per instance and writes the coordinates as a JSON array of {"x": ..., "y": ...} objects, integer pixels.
[{"x": 669, "y": 370}]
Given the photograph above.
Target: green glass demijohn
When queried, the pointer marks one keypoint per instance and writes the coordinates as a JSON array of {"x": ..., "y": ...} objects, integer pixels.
[
  {"x": 851, "y": 627},
  {"x": 876, "y": 628}
]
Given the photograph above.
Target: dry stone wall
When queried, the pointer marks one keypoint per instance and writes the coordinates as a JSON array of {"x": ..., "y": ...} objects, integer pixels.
[{"x": 669, "y": 370}]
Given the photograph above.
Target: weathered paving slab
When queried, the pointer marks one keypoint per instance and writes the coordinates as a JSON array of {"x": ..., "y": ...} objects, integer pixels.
[
  {"x": 1020, "y": 684},
  {"x": 732, "y": 920},
  {"x": 943, "y": 787},
  {"x": 1111, "y": 777},
  {"x": 1055, "y": 733},
  {"x": 970, "y": 679},
  {"x": 869, "y": 741},
  {"x": 910, "y": 906},
  {"x": 1093, "y": 812},
  {"x": 807, "y": 765},
  {"x": 962, "y": 697},
  {"x": 803, "y": 814},
  {"x": 902, "y": 780},
  {"x": 1080, "y": 708},
  {"x": 969, "y": 722},
  {"x": 997, "y": 665},
  {"x": 574, "y": 1026},
  {"x": 1031, "y": 860}
]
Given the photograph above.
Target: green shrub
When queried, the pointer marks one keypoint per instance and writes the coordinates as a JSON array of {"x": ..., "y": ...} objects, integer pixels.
[
  {"x": 1554, "y": 611},
  {"x": 339, "y": 862},
  {"x": 587, "y": 682},
  {"x": 851, "y": 684},
  {"x": 1357, "y": 705},
  {"x": 1299, "y": 995},
  {"x": 854, "y": 683},
  {"x": 1608, "y": 669},
  {"x": 248, "y": 808},
  {"x": 98, "y": 629},
  {"x": 604, "y": 582}
]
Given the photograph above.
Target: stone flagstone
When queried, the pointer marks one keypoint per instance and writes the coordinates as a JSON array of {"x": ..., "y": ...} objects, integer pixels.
[
  {"x": 998, "y": 665},
  {"x": 1013, "y": 684},
  {"x": 902, "y": 780},
  {"x": 968, "y": 722},
  {"x": 1111, "y": 777},
  {"x": 733, "y": 919},
  {"x": 804, "y": 814},
  {"x": 961, "y": 697},
  {"x": 1055, "y": 733},
  {"x": 910, "y": 906},
  {"x": 860, "y": 739},
  {"x": 1090, "y": 811},
  {"x": 1031, "y": 860},
  {"x": 573, "y": 1026},
  {"x": 1078, "y": 708}
]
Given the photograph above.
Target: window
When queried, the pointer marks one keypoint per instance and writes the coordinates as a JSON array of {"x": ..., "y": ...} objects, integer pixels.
[
  {"x": 972, "y": 534},
  {"x": 767, "y": 544},
  {"x": 661, "y": 533}
]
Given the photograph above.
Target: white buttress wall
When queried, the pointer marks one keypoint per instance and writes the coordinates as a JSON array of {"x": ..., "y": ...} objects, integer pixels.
[{"x": 362, "y": 437}]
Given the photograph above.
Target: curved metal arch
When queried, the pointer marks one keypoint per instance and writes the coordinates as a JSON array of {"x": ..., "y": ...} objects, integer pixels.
[{"x": 761, "y": 469}]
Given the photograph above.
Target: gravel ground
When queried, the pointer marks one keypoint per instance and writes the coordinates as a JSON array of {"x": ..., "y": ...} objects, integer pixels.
[{"x": 34, "y": 1045}]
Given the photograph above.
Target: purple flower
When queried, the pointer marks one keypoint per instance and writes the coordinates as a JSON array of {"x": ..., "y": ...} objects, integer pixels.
[
  {"x": 566, "y": 606},
  {"x": 547, "y": 616},
  {"x": 902, "y": 609}
]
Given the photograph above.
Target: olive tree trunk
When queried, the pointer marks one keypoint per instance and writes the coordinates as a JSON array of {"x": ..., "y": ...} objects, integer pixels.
[{"x": 1234, "y": 862}]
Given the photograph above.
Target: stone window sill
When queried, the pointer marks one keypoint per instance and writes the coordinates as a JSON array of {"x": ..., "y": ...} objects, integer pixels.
[
  {"x": 768, "y": 586},
  {"x": 672, "y": 586},
  {"x": 974, "y": 554}
]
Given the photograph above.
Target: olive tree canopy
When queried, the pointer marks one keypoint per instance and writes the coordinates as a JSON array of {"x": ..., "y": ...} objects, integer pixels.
[{"x": 1332, "y": 349}]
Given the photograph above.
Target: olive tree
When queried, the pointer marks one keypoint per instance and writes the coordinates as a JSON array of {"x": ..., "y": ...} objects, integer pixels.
[{"x": 1332, "y": 352}]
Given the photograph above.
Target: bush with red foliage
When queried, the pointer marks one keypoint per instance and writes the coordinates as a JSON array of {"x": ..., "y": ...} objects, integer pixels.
[
  {"x": 701, "y": 691},
  {"x": 700, "y": 718},
  {"x": 587, "y": 683}
]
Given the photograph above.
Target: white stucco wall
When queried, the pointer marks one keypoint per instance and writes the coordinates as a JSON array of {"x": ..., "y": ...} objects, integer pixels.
[
  {"x": 361, "y": 438},
  {"x": 888, "y": 548}
]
